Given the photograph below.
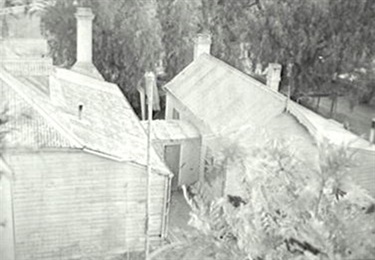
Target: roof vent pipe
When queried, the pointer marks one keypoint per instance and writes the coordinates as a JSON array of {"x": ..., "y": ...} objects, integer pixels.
[{"x": 80, "y": 111}]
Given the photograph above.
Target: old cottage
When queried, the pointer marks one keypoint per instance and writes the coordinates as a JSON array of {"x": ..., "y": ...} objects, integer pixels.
[
  {"x": 221, "y": 101},
  {"x": 73, "y": 170}
]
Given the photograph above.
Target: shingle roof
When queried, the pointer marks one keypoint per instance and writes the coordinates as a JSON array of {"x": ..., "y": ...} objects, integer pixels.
[
  {"x": 29, "y": 125},
  {"x": 108, "y": 125}
]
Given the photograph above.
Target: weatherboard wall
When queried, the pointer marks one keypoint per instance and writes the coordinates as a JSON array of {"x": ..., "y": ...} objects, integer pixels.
[
  {"x": 172, "y": 103},
  {"x": 69, "y": 205}
]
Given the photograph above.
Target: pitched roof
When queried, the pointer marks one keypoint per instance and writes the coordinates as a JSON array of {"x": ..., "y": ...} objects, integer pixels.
[
  {"x": 227, "y": 99},
  {"x": 222, "y": 96},
  {"x": 283, "y": 126},
  {"x": 328, "y": 129},
  {"x": 108, "y": 126},
  {"x": 230, "y": 101}
]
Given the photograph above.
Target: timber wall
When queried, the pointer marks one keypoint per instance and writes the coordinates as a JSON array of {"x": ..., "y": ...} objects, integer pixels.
[{"x": 73, "y": 205}]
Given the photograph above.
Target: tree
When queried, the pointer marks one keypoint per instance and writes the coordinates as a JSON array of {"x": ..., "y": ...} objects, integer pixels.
[
  {"x": 126, "y": 42},
  {"x": 317, "y": 40},
  {"x": 179, "y": 24},
  {"x": 321, "y": 39},
  {"x": 290, "y": 211}
]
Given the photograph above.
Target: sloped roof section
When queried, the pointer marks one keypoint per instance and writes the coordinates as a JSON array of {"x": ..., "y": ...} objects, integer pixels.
[
  {"x": 224, "y": 97},
  {"x": 228, "y": 99},
  {"x": 29, "y": 126},
  {"x": 326, "y": 129},
  {"x": 106, "y": 124},
  {"x": 232, "y": 102}
]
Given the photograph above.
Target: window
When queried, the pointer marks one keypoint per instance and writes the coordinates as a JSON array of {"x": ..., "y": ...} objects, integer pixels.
[{"x": 175, "y": 114}]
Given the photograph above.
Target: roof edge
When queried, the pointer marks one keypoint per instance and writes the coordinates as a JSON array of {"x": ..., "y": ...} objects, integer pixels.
[
  {"x": 84, "y": 80},
  {"x": 295, "y": 109},
  {"x": 14, "y": 83},
  {"x": 243, "y": 75}
]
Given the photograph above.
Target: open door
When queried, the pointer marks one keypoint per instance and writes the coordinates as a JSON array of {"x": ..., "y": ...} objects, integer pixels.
[
  {"x": 172, "y": 159},
  {"x": 6, "y": 219}
]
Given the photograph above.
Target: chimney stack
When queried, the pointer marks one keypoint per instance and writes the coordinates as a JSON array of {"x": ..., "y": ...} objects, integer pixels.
[
  {"x": 202, "y": 44},
  {"x": 372, "y": 131},
  {"x": 84, "y": 62},
  {"x": 274, "y": 76},
  {"x": 152, "y": 89}
]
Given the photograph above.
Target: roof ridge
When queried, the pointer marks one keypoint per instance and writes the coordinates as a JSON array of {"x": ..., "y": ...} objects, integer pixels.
[
  {"x": 81, "y": 79},
  {"x": 246, "y": 77},
  {"x": 14, "y": 83},
  {"x": 313, "y": 127}
]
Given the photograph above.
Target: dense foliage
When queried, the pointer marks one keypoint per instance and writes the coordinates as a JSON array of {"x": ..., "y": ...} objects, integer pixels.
[
  {"x": 327, "y": 45},
  {"x": 291, "y": 211},
  {"x": 126, "y": 39},
  {"x": 318, "y": 40}
]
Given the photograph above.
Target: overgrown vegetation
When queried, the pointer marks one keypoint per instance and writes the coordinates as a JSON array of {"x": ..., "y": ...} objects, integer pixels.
[
  {"x": 315, "y": 41},
  {"x": 325, "y": 46},
  {"x": 290, "y": 211}
]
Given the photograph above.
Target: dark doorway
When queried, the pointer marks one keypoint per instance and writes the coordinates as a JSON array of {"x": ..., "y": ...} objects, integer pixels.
[{"x": 172, "y": 159}]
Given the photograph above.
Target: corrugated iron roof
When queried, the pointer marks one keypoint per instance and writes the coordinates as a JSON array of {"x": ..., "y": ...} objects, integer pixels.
[{"x": 108, "y": 126}]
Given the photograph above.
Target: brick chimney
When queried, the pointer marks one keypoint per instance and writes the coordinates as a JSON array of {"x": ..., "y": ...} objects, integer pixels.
[
  {"x": 202, "y": 44},
  {"x": 84, "y": 64},
  {"x": 274, "y": 76}
]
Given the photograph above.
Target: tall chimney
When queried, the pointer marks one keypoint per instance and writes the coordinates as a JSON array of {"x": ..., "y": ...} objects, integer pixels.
[
  {"x": 372, "y": 131},
  {"x": 202, "y": 44},
  {"x": 274, "y": 76},
  {"x": 151, "y": 87},
  {"x": 84, "y": 62}
]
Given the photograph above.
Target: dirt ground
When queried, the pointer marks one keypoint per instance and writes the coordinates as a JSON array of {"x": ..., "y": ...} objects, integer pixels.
[{"x": 179, "y": 217}]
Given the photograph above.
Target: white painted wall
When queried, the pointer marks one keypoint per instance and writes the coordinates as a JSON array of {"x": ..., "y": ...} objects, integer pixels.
[{"x": 6, "y": 219}]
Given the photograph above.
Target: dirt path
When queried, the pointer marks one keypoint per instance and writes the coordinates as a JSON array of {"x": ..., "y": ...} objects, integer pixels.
[{"x": 179, "y": 217}]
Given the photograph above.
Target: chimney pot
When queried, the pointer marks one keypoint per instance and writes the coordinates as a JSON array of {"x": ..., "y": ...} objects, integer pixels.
[
  {"x": 152, "y": 90},
  {"x": 274, "y": 76},
  {"x": 202, "y": 44}
]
